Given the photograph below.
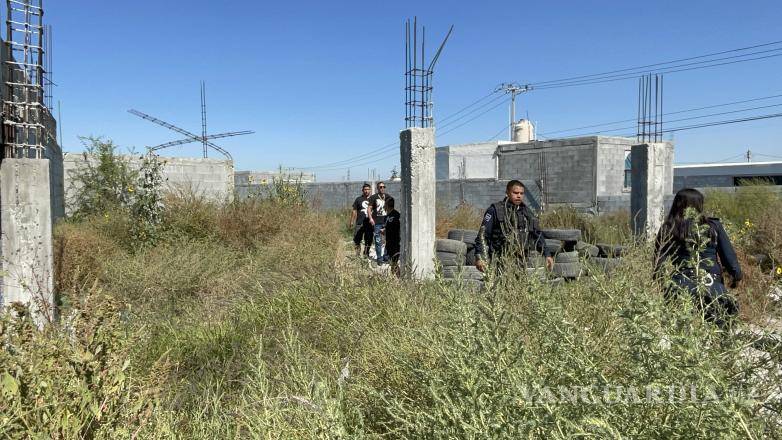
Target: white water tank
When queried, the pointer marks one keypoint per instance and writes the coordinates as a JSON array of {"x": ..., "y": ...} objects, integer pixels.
[{"x": 523, "y": 131}]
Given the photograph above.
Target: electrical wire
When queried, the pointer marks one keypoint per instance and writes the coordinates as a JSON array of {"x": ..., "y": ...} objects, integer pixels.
[
  {"x": 723, "y": 122},
  {"x": 583, "y": 77},
  {"x": 387, "y": 147},
  {"x": 664, "y": 114},
  {"x": 474, "y": 118},
  {"x": 635, "y": 75},
  {"x": 504, "y": 128}
]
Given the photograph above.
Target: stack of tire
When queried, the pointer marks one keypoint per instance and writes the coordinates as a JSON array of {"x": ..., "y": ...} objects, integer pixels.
[
  {"x": 456, "y": 255},
  {"x": 562, "y": 244},
  {"x": 608, "y": 256}
]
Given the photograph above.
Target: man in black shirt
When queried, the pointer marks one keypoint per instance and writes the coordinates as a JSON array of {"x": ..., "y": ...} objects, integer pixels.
[
  {"x": 359, "y": 221},
  {"x": 393, "y": 238},
  {"x": 377, "y": 218}
]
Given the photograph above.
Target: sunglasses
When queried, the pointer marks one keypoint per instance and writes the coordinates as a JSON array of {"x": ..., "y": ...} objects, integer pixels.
[{"x": 381, "y": 187}]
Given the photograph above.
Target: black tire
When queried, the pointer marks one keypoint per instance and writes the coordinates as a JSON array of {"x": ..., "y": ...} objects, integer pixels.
[
  {"x": 611, "y": 250},
  {"x": 562, "y": 234},
  {"x": 450, "y": 259},
  {"x": 556, "y": 281},
  {"x": 452, "y": 246},
  {"x": 464, "y": 235},
  {"x": 536, "y": 261},
  {"x": 606, "y": 264},
  {"x": 463, "y": 272},
  {"x": 469, "y": 259},
  {"x": 553, "y": 247},
  {"x": 471, "y": 285},
  {"x": 566, "y": 257},
  {"x": 568, "y": 270}
]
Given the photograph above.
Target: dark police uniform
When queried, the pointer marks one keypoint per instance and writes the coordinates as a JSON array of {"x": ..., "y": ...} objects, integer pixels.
[
  {"x": 718, "y": 252},
  {"x": 506, "y": 225}
]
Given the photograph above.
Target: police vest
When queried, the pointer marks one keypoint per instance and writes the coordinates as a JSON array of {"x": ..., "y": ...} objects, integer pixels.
[{"x": 500, "y": 231}]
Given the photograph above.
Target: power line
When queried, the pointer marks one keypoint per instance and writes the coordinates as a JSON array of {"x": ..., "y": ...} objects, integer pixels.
[
  {"x": 767, "y": 155},
  {"x": 504, "y": 127},
  {"x": 666, "y": 70},
  {"x": 541, "y": 83},
  {"x": 711, "y": 124},
  {"x": 387, "y": 147},
  {"x": 664, "y": 114},
  {"x": 472, "y": 119},
  {"x": 442, "y": 126},
  {"x": 467, "y": 106},
  {"x": 690, "y": 118}
]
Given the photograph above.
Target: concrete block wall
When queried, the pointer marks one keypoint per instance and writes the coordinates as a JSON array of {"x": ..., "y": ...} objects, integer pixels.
[
  {"x": 467, "y": 161},
  {"x": 211, "y": 178},
  {"x": 479, "y": 193},
  {"x": 566, "y": 166},
  {"x": 611, "y": 154}
]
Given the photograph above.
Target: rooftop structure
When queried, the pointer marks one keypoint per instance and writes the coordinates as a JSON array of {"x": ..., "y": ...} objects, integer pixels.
[{"x": 725, "y": 174}]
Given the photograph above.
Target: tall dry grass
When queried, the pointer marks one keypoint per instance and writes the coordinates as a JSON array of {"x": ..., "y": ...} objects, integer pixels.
[{"x": 273, "y": 332}]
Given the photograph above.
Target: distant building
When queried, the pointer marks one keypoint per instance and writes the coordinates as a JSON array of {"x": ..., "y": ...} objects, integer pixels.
[
  {"x": 725, "y": 174},
  {"x": 591, "y": 172},
  {"x": 244, "y": 178}
]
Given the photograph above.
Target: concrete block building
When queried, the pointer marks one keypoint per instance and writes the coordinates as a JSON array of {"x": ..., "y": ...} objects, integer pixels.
[
  {"x": 725, "y": 175},
  {"x": 591, "y": 172}
]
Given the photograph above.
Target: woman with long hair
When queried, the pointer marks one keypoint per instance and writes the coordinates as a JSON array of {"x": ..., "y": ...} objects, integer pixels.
[{"x": 698, "y": 248}]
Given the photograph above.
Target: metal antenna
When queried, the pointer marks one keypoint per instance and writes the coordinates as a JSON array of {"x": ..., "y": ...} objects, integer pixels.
[
  {"x": 418, "y": 77},
  {"x": 203, "y": 118},
  {"x": 192, "y": 137}
]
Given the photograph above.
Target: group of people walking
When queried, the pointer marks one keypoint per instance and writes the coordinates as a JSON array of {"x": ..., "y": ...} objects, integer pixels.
[
  {"x": 374, "y": 218},
  {"x": 692, "y": 250}
]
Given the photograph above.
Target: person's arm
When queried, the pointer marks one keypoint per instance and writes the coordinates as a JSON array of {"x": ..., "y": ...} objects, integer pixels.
[
  {"x": 370, "y": 209},
  {"x": 727, "y": 254},
  {"x": 482, "y": 240},
  {"x": 353, "y": 215}
]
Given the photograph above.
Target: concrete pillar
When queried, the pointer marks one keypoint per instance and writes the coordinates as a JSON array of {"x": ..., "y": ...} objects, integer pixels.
[
  {"x": 26, "y": 237},
  {"x": 417, "y": 206},
  {"x": 651, "y": 164}
]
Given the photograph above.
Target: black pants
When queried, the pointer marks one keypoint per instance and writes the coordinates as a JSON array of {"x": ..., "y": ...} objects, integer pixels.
[
  {"x": 715, "y": 302},
  {"x": 365, "y": 231}
]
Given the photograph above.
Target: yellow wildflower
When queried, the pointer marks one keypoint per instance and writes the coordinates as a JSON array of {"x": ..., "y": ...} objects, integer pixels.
[
  {"x": 130, "y": 189},
  {"x": 779, "y": 270},
  {"x": 747, "y": 223}
]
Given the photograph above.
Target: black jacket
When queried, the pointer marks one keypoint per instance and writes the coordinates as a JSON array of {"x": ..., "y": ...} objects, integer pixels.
[
  {"x": 718, "y": 253},
  {"x": 503, "y": 222}
]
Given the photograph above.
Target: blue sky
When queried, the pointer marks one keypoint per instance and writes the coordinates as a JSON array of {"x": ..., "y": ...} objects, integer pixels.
[{"x": 320, "y": 82}]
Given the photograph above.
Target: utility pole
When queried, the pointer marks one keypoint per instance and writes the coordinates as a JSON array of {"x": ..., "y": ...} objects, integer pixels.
[
  {"x": 749, "y": 155},
  {"x": 348, "y": 175},
  {"x": 514, "y": 89}
]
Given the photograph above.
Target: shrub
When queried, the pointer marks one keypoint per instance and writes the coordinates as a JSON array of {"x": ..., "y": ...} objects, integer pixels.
[
  {"x": 74, "y": 380},
  {"x": 105, "y": 183},
  {"x": 463, "y": 216}
]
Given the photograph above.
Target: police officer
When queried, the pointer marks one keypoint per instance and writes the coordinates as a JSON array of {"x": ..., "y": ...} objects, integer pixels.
[
  {"x": 676, "y": 243},
  {"x": 509, "y": 225}
]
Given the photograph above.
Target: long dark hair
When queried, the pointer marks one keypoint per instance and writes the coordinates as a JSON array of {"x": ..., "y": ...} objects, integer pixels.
[{"x": 676, "y": 226}]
